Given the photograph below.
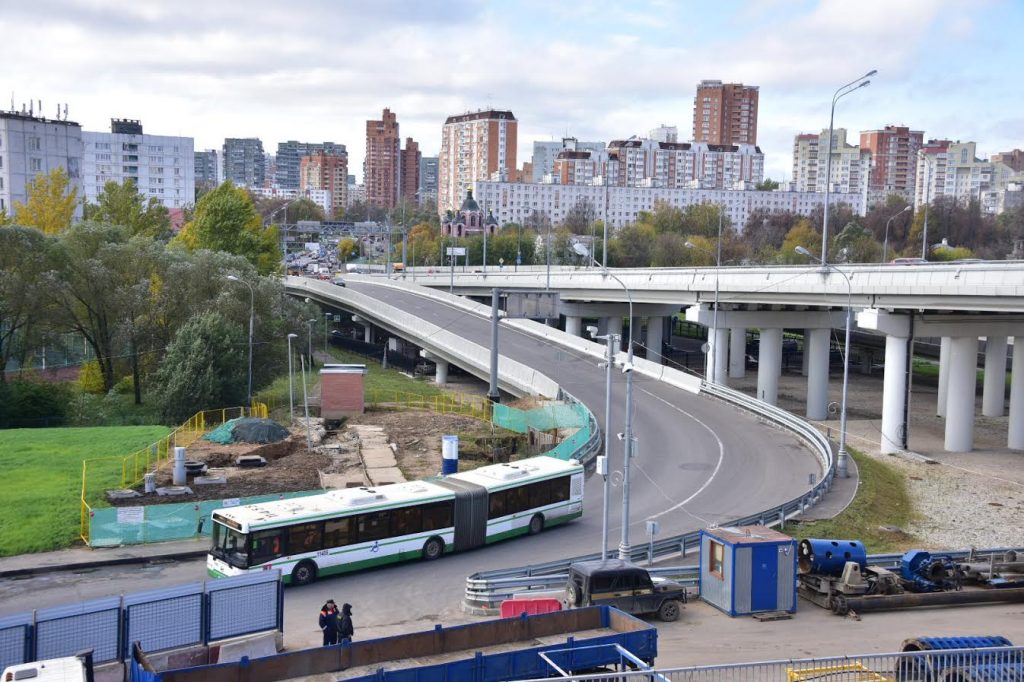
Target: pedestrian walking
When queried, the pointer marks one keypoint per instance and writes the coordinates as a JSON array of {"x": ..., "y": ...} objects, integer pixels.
[
  {"x": 345, "y": 629},
  {"x": 329, "y": 622}
]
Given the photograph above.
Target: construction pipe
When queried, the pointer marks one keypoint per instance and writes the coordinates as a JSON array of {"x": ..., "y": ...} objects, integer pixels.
[{"x": 842, "y": 604}]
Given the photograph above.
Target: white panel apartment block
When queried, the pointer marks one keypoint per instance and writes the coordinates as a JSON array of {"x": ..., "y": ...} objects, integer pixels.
[
  {"x": 162, "y": 166},
  {"x": 32, "y": 146}
]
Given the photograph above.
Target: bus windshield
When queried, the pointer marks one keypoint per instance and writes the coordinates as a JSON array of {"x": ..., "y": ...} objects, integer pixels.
[{"x": 230, "y": 546}]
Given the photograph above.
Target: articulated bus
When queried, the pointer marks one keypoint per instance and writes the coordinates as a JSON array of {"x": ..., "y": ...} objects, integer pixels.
[{"x": 348, "y": 530}]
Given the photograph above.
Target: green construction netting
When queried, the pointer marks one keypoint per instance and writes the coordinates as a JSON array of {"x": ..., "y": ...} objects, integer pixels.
[
  {"x": 112, "y": 526},
  {"x": 223, "y": 434},
  {"x": 546, "y": 418}
]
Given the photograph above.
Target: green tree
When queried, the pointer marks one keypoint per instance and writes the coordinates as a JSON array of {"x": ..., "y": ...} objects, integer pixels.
[
  {"x": 122, "y": 204},
  {"x": 23, "y": 305},
  {"x": 5, "y": 219},
  {"x": 632, "y": 246},
  {"x": 205, "y": 367},
  {"x": 855, "y": 244},
  {"x": 580, "y": 218},
  {"x": 305, "y": 209},
  {"x": 226, "y": 220},
  {"x": 950, "y": 253},
  {"x": 766, "y": 185},
  {"x": 670, "y": 250},
  {"x": 50, "y": 205}
]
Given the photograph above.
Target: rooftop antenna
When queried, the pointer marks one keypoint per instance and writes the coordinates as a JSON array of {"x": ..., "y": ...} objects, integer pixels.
[
  {"x": 65, "y": 111},
  {"x": 12, "y": 102}
]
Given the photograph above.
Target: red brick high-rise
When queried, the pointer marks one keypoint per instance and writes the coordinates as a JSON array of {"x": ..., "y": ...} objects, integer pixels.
[
  {"x": 725, "y": 113},
  {"x": 893, "y": 158},
  {"x": 382, "y": 167},
  {"x": 326, "y": 171},
  {"x": 410, "y": 173}
]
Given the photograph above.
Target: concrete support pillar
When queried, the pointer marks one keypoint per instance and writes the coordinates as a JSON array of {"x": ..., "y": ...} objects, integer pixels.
[
  {"x": 1015, "y": 439},
  {"x": 551, "y": 321},
  {"x": 816, "y": 346},
  {"x": 655, "y": 327},
  {"x": 805, "y": 356},
  {"x": 368, "y": 334},
  {"x": 613, "y": 325},
  {"x": 894, "y": 392},
  {"x": 602, "y": 326},
  {"x": 994, "y": 393},
  {"x": 737, "y": 353},
  {"x": 441, "y": 375},
  {"x": 719, "y": 356},
  {"x": 769, "y": 365},
  {"x": 963, "y": 379},
  {"x": 573, "y": 325},
  {"x": 940, "y": 405}
]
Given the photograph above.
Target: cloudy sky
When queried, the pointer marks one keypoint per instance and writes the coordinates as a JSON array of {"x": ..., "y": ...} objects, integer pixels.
[{"x": 315, "y": 70}]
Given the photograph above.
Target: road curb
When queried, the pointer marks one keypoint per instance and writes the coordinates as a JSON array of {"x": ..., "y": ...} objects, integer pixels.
[{"x": 84, "y": 565}]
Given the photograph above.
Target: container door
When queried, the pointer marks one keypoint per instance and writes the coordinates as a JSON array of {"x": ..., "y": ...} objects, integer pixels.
[{"x": 764, "y": 578}]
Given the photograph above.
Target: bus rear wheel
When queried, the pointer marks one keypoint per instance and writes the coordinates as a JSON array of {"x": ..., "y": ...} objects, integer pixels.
[
  {"x": 304, "y": 573},
  {"x": 433, "y": 549},
  {"x": 536, "y": 524}
]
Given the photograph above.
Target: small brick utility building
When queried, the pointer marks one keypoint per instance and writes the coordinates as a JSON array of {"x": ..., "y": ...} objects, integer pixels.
[{"x": 341, "y": 390}]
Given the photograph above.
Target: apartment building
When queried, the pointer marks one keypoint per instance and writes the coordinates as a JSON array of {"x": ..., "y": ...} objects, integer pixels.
[
  {"x": 382, "y": 167},
  {"x": 428, "y": 180},
  {"x": 952, "y": 169},
  {"x": 1014, "y": 160},
  {"x": 725, "y": 113},
  {"x": 289, "y": 157},
  {"x": 32, "y": 145},
  {"x": 208, "y": 168},
  {"x": 893, "y": 159},
  {"x": 324, "y": 171},
  {"x": 475, "y": 146},
  {"x": 620, "y": 206},
  {"x": 850, "y": 164},
  {"x": 161, "y": 166},
  {"x": 678, "y": 165},
  {"x": 546, "y": 153},
  {"x": 409, "y": 174},
  {"x": 245, "y": 164}
]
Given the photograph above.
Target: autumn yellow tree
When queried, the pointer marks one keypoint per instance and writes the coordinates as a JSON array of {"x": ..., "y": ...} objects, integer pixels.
[
  {"x": 802, "y": 234},
  {"x": 51, "y": 203}
]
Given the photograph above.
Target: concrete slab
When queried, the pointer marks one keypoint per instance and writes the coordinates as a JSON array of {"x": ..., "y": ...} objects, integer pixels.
[
  {"x": 379, "y": 457},
  {"x": 343, "y": 480},
  {"x": 386, "y": 475}
]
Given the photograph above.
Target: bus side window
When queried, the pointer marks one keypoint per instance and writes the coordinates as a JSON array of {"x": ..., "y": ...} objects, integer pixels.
[
  {"x": 437, "y": 516},
  {"x": 496, "y": 505},
  {"x": 304, "y": 537},
  {"x": 406, "y": 521},
  {"x": 374, "y": 526},
  {"x": 539, "y": 494},
  {"x": 337, "y": 532},
  {"x": 560, "y": 489},
  {"x": 266, "y": 545}
]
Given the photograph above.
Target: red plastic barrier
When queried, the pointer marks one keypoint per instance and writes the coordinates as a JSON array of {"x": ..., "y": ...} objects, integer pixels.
[{"x": 511, "y": 608}]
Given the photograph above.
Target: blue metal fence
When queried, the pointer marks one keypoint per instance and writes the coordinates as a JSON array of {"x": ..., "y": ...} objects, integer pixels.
[{"x": 171, "y": 618}]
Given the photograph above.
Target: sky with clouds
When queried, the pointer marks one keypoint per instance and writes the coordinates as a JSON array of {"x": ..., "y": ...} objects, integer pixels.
[{"x": 316, "y": 70}]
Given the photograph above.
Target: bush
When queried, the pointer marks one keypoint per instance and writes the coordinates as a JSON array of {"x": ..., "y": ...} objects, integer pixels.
[
  {"x": 32, "y": 403},
  {"x": 124, "y": 385}
]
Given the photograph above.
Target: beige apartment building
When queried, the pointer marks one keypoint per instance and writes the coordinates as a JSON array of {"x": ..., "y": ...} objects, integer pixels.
[{"x": 474, "y": 146}]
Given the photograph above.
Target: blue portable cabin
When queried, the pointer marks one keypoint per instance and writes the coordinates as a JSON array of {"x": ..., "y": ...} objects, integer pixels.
[{"x": 748, "y": 569}]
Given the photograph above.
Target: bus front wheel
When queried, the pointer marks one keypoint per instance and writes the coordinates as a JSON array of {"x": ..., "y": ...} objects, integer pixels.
[
  {"x": 433, "y": 549},
  {"x": 536, "y": 524},
  {"x": 304, "y": 573}
]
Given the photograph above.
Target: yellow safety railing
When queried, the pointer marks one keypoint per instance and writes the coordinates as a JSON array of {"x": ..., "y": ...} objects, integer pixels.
[
  {"x": 474, "y": 406},
  {"x": 125, "y": 471},
  {"x": 853, "y": 670}
]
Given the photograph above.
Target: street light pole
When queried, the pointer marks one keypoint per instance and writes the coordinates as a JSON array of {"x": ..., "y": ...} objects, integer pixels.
[
  {"x": 841, "y": 461},
  {"x": 309, "y": 344},
  {"x": 885, "y": 244},
  {"x": 291, "y": 396},
  {"x": 839, "y": 94},
  {"x": 327, "y": 319},
  {"x": 252, "y": 322},
  {"x": 711, "y": 371}
]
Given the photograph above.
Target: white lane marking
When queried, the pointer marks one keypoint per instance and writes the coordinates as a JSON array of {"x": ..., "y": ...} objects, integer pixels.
[{"x": 718, "y": 465}]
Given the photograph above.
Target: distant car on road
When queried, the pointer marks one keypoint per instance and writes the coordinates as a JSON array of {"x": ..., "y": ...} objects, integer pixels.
[{"x": 338, "y": 281}]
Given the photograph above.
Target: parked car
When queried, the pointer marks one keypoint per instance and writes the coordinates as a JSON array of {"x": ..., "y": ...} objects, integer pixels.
[{"x": 625, "y": 586}]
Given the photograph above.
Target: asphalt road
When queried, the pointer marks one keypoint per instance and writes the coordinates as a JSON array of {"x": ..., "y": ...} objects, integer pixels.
[{"x": 697, "y": 462}]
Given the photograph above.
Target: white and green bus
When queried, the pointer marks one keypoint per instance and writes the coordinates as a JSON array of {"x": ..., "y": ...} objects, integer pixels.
[{"x": 356, "y": 528}]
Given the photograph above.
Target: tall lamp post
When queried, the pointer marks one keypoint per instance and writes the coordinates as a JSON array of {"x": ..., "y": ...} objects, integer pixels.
[
  {"x": 309, "y": 346},
  {"x": 627, "y": 369},
  {"x": 611, "y": 340},
  {"x": 252, "y": 322},
  {"x": 327, "y": 319},
  {"x": 291, "y": 397},
  {"x": 845, "y": 90},
  {"x": 885, "y": 244},
  {"x": 841, "y": 460}
]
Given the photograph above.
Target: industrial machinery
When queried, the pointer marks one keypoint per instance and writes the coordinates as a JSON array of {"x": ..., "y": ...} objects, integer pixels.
[{"x": 835, "y": 574}]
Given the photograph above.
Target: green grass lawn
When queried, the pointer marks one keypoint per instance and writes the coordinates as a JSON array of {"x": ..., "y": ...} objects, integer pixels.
[
  {"x": 42, "y": 470},
  {"x": 882, "y": 500},
  {"x": 380, "y": 379}
]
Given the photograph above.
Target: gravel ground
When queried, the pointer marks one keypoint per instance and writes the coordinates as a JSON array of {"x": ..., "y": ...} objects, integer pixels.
[{"x": 961, "y": 500}]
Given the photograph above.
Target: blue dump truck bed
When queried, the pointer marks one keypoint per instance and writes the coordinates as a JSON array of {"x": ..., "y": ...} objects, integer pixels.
[{"x": 490, "y": 651}]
